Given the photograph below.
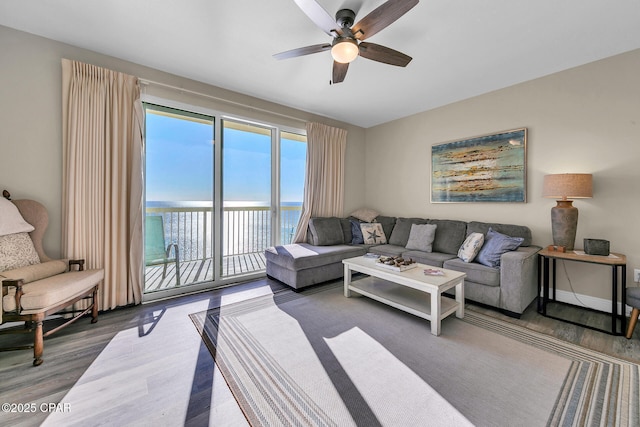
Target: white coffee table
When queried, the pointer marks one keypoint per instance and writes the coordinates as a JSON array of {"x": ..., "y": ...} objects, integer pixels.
[{"x": 411, "y": 290}]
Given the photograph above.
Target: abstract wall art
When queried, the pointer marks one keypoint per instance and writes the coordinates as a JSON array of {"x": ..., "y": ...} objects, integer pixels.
[{"x": 487, "y": 168}]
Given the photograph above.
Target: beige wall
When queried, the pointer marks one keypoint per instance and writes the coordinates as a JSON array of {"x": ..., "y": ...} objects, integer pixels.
[
  {"x": 31, "y": 130},
  {"x": 586, "y": 119},
  {"x": 581, "y": 120}
]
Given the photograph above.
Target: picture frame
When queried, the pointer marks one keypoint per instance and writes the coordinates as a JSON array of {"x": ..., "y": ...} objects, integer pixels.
[{"x": 485, "y": 168}]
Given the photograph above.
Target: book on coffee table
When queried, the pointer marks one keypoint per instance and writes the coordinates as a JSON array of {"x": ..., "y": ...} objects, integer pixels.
[{"x": 433, "y": 272}]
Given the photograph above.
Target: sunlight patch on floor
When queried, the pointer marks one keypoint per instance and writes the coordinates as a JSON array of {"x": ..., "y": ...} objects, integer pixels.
[
  {"x": 152, "y": 390},
  {"x": 395, "y": 394}
]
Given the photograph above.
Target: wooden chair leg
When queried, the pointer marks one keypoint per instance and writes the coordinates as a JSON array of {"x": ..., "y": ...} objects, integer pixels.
[
  {"x": 632, "y": 321},
  {"x": 94, "y": 309},
  {"x": 38, "y": 344}
]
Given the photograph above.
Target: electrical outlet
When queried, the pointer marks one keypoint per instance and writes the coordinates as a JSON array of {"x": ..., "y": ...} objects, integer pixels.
[{"x": 636, "y": 274}]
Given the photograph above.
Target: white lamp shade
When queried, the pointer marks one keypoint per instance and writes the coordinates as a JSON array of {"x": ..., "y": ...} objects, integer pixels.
[
  {"x": 568, "y": 186},
  {"x": 345, "y": 51}
]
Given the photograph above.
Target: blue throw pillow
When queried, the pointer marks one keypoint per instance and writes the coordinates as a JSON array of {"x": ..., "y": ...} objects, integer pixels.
[
  {"x": 496, "y": 244},
  {"x": 356, "y": 232}
]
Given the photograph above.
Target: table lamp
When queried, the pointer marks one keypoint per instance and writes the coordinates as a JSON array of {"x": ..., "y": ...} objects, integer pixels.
[{"x": 564, "y": 216}]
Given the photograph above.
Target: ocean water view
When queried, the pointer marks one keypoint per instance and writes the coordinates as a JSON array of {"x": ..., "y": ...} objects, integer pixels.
[{"x": 246, "y": 226}]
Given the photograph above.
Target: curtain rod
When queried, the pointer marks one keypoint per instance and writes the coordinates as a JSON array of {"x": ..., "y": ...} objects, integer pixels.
[{"x": 145, "y": 82}]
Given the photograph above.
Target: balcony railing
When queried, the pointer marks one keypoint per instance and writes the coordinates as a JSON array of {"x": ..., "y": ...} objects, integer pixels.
[{"x": 246, "y": 233}]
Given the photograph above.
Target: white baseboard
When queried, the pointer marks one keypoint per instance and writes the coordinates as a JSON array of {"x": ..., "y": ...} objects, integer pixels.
[{"x": 599, "y": 304}]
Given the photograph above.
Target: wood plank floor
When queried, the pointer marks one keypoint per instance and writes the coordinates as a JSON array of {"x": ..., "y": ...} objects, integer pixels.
[
  {"x": 201, "y": 271},
  {"x": 146, "y": 365}
]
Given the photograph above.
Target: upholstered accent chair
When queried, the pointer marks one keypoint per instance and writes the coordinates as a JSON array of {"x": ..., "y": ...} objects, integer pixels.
[
  {"x": 633, "y": 301},
  {"x": 34, "y": 286}
]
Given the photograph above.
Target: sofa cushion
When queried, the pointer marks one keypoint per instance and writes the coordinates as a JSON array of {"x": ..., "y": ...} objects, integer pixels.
[
  {"x": 34, "y": 272},
  {"x": 17, "y": 250},
  {"x": 477, "y": 273},
  {"x": 373, "y": 234},
  {"x": 346, "y": 230},
  {"x": 388, "y": 250},
  {"x": 450, "y": 235},
  {"x": 326, "y": 231},
  {"x": 471, "y": 246},
  {"x": 435, "y": 259},
  {"x": 508, "y": 229},
  {"x": 496, "y": 244},
  {"x": 49, "y": 292},
  {"x": 299, "y": 256},
  {"x": 388, "y": 222},
  {"x": 402, "y": 229},
  {"x": 421, "y": 237}
]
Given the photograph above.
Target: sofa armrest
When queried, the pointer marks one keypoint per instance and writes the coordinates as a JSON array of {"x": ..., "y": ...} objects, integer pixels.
[{"x": 518, "y": 278}]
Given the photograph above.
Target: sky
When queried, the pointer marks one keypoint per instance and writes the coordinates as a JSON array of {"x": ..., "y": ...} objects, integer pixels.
[{"x": 179, "y": 163}]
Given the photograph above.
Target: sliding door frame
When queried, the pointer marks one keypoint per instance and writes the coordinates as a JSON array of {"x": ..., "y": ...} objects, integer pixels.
[{"x": 218, "y": 209}]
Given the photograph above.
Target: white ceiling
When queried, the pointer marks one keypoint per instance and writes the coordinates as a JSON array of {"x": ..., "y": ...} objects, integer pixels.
[{"x": 460, "y": 48}]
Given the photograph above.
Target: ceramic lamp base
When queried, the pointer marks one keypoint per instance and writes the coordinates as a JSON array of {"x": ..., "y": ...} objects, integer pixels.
[{"x": 564, "y": 222}]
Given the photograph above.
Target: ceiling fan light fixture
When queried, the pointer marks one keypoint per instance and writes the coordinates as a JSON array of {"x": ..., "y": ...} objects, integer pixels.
[{"x": 344, "y": 50}]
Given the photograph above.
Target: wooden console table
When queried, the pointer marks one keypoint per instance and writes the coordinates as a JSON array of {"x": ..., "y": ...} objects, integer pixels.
[{"x": 616, "y": 262}]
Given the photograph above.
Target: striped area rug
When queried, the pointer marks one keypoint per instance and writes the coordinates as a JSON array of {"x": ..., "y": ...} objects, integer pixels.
[
  {"x": 598, "y": 389},
  {"x": 316, "y": 358}
]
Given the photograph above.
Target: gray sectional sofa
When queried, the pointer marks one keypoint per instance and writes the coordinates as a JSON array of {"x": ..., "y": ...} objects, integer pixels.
[{"x": 511, "y": 286}]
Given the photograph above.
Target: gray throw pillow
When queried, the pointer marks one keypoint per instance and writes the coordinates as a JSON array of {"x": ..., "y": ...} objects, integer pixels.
[
  {"x": 326, "y": 231},
  {"x": 401, "y": 229},
  {"x": 421, "y": 237}
]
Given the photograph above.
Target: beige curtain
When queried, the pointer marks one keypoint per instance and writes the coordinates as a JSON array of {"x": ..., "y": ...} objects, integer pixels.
[
  {"x": 102, "y": 177},
  {"x": 324, "y": 180}
]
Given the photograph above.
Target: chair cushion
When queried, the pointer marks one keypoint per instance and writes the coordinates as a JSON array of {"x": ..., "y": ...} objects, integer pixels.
[
  {"x": 31, "y": 273},
  {"x": 17, "y": 250},
  {"x": 47, "y": 293},
  {"x": 633, "y": 297}
]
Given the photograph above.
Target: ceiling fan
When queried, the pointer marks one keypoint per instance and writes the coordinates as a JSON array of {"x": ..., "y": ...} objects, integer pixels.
[{"x": 348, "y": 39}]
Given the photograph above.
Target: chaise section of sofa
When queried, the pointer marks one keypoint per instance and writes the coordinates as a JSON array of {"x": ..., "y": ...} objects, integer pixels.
[{"x": 303, "y": 264}]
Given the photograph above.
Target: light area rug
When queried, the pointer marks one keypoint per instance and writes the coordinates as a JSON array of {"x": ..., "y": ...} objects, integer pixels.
[{"x": 316, "y": 358}]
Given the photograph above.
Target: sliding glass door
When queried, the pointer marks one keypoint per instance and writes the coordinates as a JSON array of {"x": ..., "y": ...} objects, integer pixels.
[
  {"x": 219, "y": 191},
  {"x": 247, "y": 196},
  {"x": 179, "y": 230}
]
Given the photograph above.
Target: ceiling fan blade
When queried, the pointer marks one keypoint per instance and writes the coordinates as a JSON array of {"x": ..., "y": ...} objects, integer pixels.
[
  {"x": 381, "y": 17},
  {"x": 301, "y": 51},
  {"x": 383, "y": 54},
  {"x": 339, "y": 71},
  {"x": 319, "y": 16}
]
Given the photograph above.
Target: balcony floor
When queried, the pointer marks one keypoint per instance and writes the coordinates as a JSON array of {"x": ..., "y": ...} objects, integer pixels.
[{"x": 201, "y": 271}]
